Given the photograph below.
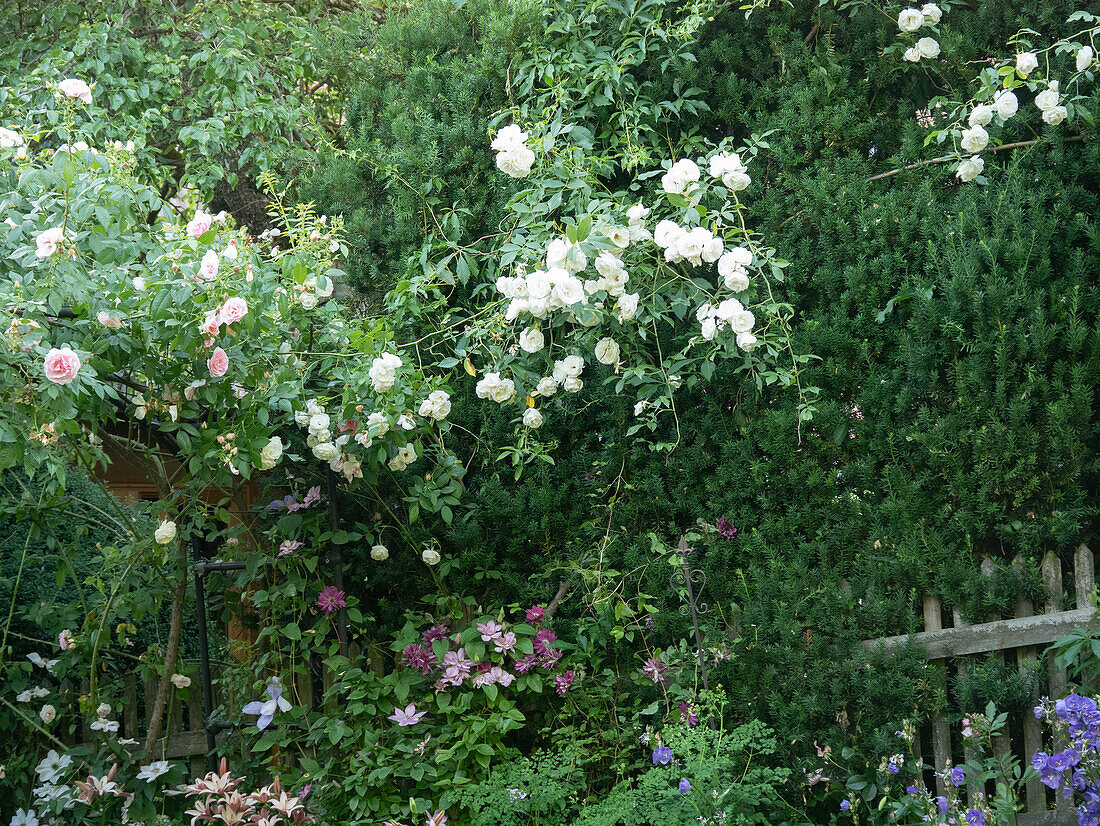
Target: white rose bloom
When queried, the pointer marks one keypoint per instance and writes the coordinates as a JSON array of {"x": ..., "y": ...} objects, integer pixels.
[
  {"x": 607, "y": 264},
  {"x": 627, "y": 306},
  {"x": 405, "y": 422},
  {"x": 709, "y": 328},
  {"x": 703, "y": 311},
  {"x": 75, "y": 88},
  {"x": 271, "y": 453},
  {"x": 619, "y": 236},
  {"x": 165, "y": 532},
  {"x": 636, "y": 214},
  {"x": 531, "y": 340},
  {"x": 680, "y": 177},
  {"x": 308, "y": 301},
  {"x": 640, "y": 407},
  {"x": 181, "y": 680},
  {"x": 742, "y": 321},
  {"x": 981, "y": 115},
  {"x": 928, "y": 47},
  {"x": 970, "y": 168},
  {"x": 516, "y": 308},
  {"x": 48, "y": 714},
  {"x": 493, "y": 387},
  {"x": 508, "y": 138},
  {"x": 326, "y": 451},
  {"x": 103, "y": 710},
  {"x": 974, "y": 140},
  {"x": 9, "y": 139},
  {"x": 912, "y": 54},
  {"x": 556, "y": 251},
  {"x": 737, "y": 180},
  {"x": 569, "y": 290},
  {"x": 724, "y": 163},
  {"x": 319, "y": 421},
  {"x": 431, "y": 557},
  {"x": 1048, "y": 98},
  {"x": 746, "y": 341},
  {"x": 735, "y": 259},
  {"x": 1026, "y": 63},
  {"x": 931, "y": 13},
  {"x": 363, "y": 438},
  {"x": 712, "y": 251},
  {"x": 383, "y": 372},
  {"x": 737, "y": 281},
  {"x": 666, "y": 233},
  {"x": 437, "y": 406},
  {"x": 607, "y": 351},
  {"x": 546, "y": 387},
  {"x": 638, "y": 233},
  {"x": 572, "y": 365},
  {"x": 616, "y": 283},
  {"x": 379, "y": 423},
  {"x": 910, "y": 20},
  {"x": 516, "y": 163},
  {"x": 691, "y": 244},
  {"x": 379, "y": 553},
  {"x": 1055, "y": 115},
  {"x": 572, "y": 385},
  {"x": 538, "y": 284},
  {"x": 532, "y": 418},
  {"x": 727, "y": 309},
  {"x": 1005, "y": 104},
  {"x": 1084, "y": 58},
  {"x": 301, "y": 418}
]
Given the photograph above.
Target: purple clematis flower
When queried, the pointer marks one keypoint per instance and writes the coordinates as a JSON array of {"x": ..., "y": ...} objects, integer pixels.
[
  {"x": 267, "y": 710},
  {"x": 407, "y": 717}
]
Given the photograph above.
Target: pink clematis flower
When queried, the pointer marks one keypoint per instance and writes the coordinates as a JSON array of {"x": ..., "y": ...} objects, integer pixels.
[{"x": 408, "y": 716}]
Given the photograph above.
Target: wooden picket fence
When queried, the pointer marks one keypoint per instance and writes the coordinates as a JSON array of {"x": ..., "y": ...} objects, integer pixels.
[{"x": 1026, "y": 634}]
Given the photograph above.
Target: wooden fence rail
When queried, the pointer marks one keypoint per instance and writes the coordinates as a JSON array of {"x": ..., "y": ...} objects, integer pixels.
[{"x": 1026, "y": 634}]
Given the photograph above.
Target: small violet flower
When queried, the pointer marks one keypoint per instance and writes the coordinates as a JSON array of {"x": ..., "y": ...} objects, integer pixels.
[
  {"x": 845, "y": 805},
  {"x": 684, "y": 786},
  {"x": 662, "y": 755}
]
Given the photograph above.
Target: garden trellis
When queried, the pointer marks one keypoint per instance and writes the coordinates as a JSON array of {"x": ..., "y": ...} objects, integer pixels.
[{"x": 1025, "y": 634}]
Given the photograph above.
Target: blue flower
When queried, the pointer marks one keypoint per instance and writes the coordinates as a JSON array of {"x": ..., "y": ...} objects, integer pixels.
[
  {"x": 685, "y": 786},
  {"x": 662, "y": 755},
  {"x": 958, "y": 776},
  {"x": 1039, "y": 760},
  {"x": 845, "y": 805},
  {"x": 975, "y": 817},
  {"x": 893, "y": 768},
  {"x": 941, "y": 804},
  {"x": 267, "y": 710}
]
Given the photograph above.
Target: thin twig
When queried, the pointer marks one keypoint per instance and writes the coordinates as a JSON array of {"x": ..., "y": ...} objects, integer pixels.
[{"x": 946, "y": 158}]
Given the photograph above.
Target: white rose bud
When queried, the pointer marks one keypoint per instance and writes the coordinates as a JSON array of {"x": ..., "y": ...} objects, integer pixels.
[
  {"x": 165, "y": 532},
  {"x": 1084, "y": 58},
  {"x": 379, "y": 553},
  {"x": 532, "y": 418},
  {"x": 48, "y": 713},
  {"x": 430, "y": 556}
]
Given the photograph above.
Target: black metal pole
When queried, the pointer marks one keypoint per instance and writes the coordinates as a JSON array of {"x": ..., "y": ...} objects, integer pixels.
[
  {"x": 336, "y": 559},
  {"x": 204, "y": 662}
]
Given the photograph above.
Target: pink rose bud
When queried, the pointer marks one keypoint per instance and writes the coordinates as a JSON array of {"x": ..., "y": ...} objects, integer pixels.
[
  {"x": 233, "y": 310},
  {"x": 199, "y": 224},
  {"x": 61, "y": 365},
  {"x": 210, "y": 324},
  {"x": 108, "y": 320},
  {"x": 218, "y": 363}
]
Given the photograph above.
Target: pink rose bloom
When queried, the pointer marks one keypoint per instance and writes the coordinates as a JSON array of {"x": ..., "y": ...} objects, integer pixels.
[
  {"x": 218, "y": 363},
  {"x": 209, "y": 265},
  {"x": 210, "y": 324},
  {"x": 108, "y": 320},
  {"x": 199, "y": 224},
  {"x": 75, "y": 88},
  {"x": 233, "y": 310},
  {"x": 47, "y": 242},
  {"x": 61, "y": 365}
]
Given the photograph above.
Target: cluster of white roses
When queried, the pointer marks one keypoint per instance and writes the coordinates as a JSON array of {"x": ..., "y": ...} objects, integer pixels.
[
  {"x": 313, "y": 290},
  {"x": 320, "y": 440},
  {"x": 910, "y": 20},
  {"x": 1005, "y": 105},
  {"x": 514, "y": 158},
  {"x": 729, "y": 313}
]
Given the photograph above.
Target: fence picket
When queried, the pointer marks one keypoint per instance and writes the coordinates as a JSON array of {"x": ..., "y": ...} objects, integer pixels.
[
  {"x": 968, "y": 753},
  {"x": 941, "y": 732},
  {"x": 1027, "y": 657},
  {"x": 1052, "y": 579}
]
